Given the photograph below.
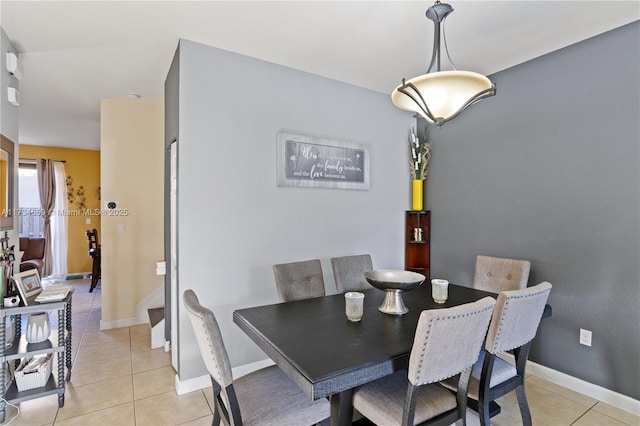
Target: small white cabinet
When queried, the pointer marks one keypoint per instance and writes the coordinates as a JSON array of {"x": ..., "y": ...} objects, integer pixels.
[{"x": 59, "y": 343}]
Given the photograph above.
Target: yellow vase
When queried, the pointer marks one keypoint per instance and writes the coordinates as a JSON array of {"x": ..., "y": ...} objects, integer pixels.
[{"x": 417, "y": 194}]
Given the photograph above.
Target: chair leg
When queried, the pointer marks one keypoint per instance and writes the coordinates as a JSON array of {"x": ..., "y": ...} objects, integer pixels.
[
  {"x": 409, "y": 411},
  {"x": 461, "y": 396},
  {"x": 524, "y": 405},
  {"x": 483, "y": 412},
  {"x": 95, "y": 274}
]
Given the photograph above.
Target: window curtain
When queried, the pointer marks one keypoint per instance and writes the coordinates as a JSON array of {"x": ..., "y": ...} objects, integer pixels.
[
  {"x": 59, "y": 222},
  {"x": 47, "y": 189}
]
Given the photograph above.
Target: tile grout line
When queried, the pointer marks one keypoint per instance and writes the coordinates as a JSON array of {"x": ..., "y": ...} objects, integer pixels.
[
  {"x": 133, "y": 388},
  {"x": 584, "y": 414},
  {"x": 552, "y": 391},
  {"x": 74, "y": 358}
]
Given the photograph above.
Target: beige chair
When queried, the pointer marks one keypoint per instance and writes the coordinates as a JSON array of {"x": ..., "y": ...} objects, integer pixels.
[
  {"x": 513, "y": 326},
  {"x": 348, "y": 272},
  {"x": 447, "y": 342},
  {"x": 264, "y": 397},
  {"x": 496, "y": 274},
  {"x": 299, "y": 280}
]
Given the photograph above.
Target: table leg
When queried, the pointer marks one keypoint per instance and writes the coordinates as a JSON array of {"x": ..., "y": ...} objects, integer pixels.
[
  {"x": 341, "y": 408},
  {"x": 494, "y": 408}
]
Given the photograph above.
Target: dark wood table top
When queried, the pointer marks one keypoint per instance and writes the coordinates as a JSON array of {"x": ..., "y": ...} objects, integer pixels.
[{"x": 315, "y": 344}]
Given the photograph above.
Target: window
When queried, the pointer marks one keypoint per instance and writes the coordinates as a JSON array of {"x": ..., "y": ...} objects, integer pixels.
[{"x": 30, "y": 219}]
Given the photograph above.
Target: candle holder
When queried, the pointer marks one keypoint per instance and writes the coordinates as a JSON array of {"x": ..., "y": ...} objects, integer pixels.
[{"x": 417, "y": 234}]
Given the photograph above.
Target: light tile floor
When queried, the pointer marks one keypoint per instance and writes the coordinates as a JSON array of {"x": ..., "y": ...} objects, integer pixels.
[{"x": 118, "y": 380}]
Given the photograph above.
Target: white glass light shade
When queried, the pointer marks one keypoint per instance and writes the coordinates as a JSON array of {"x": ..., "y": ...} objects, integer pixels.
[{"x": 444, "y": 94}]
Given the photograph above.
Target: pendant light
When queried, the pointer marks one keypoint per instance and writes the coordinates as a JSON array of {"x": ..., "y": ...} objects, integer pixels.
[{"x": 440, "y": 96}]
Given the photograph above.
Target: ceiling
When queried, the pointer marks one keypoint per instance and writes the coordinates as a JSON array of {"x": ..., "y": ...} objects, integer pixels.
[{"x": 75, "y": 53}]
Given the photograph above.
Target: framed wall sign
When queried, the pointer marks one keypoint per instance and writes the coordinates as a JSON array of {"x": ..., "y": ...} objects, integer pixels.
[{"x": 314, "y": 162}]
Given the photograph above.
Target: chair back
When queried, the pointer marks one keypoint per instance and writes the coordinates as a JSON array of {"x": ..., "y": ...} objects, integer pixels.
[
  {"x": 448, "y": 341},
  {"x": 299, "y": 280},
  {"x": 92, "y": 239},
  {"x": 209, "y": 339},
  {"x": 348, "y": 272},
  {"x": 496, "y": 274},
  {"x": 516, "y": 317},
  {"x": 32, "y": 247}
]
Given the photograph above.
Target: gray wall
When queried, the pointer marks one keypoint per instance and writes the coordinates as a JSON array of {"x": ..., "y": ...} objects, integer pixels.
[
  {"x": 8, "y": 112},
  {"x": 9, "y": 115},
  {"x": 235, "y": 223},
  {"x": 548, "y": 170},
  {"x": 171, "y": 127}
]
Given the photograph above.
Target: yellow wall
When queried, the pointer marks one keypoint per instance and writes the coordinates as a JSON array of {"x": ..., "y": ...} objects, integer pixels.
[
  {"x": 83, "y": 166},
  {"x": 132, "y": 157}
]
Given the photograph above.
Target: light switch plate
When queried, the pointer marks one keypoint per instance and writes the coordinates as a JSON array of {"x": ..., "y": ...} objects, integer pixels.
[
  {"x": 13, "y": 96},
  {"x": 585, "y": 337}
]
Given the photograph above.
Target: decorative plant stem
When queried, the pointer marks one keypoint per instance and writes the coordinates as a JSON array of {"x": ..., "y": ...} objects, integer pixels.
[{"x": 419, "y": 153}]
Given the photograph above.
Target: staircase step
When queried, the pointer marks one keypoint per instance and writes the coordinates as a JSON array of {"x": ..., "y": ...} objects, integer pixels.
[{"x": 155, "y": 315}]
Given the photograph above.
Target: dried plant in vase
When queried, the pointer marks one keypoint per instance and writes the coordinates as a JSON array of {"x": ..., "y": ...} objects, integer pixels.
[
  {"x": 419, "y": 156},
  {"x": 419, "y": 153}
]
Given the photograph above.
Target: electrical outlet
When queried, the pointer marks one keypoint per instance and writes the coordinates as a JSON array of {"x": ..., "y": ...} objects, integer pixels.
[{"x": 585, "y": 337}]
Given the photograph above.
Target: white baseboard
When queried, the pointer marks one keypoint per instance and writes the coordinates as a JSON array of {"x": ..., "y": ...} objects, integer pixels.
[
  {"x": 245, "y": 369},
  {"x": 616, "y": 399},
  {"x": 127, "y": 322},
  {"x": 190, "y": 385},
  {"x": 202, "y": 382}
]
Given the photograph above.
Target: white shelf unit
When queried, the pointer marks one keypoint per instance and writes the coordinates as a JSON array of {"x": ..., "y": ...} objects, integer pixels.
[{"x": 59, "y": 343}]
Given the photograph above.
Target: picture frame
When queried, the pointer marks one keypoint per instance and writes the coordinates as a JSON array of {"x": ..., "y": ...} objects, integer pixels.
[
  {"x": 29, "y": 284},
  {"x": 317, "y": 162}
]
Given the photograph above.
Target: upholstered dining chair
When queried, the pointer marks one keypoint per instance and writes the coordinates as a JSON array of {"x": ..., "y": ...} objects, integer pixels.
[
  {"x": 447, "y": 342},
  {"x": 264, "y": 397},
  {"x": 513, "y": 326},
  {"x": 496, "y": 274},
  {"x": 299, "y": 280},
  {"x": 348, "y": 272}
]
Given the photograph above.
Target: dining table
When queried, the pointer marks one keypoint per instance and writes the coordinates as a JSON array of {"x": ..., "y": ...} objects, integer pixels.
[{"x": 327, "y": 355}]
